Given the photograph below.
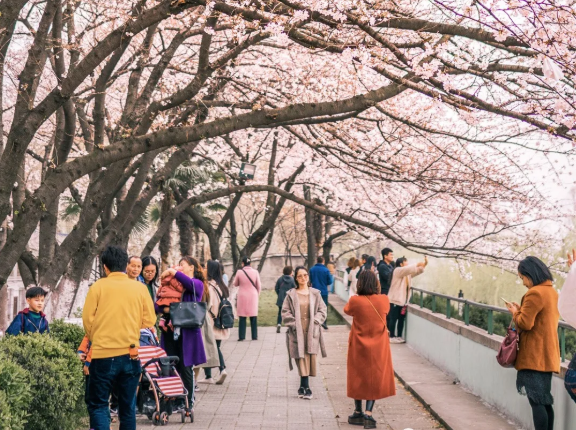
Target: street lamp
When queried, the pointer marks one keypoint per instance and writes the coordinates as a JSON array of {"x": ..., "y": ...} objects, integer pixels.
[{"x": 247, "y": 171}]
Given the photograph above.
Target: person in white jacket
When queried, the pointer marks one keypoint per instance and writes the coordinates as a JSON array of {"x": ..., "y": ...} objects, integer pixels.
[{"x": 398, "y": 295}]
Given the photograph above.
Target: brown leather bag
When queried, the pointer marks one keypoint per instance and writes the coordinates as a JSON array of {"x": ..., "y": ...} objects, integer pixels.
[{"x": 509, "y": 348}]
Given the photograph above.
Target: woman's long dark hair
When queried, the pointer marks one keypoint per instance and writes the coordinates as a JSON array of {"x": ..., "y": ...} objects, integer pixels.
[
  {"x": 147, "y": 261},
  {"x": 198, "y": 274},
  {"x": 535, "y": 269},
  {"x": 214, "y": 270},
  {"x": 296, "y": 275},
  {"x": 370, "y": 261}
]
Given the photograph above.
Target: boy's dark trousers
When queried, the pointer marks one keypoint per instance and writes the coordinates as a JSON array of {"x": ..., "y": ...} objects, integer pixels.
[
  {"x": 104, "y": 374},
  {"x": 279, "y": 320},
  {"x": 253, "y": 328}
]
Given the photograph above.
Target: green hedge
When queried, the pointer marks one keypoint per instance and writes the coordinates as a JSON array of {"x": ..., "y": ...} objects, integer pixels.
[
  {"x": 56, "y": 381},
  {"x": 70, "y": 334},
  {"x": 15, "y": 395}
]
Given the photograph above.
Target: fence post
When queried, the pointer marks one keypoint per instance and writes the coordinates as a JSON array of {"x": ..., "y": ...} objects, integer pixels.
[
  {"x": 562, "y": 342},
  {"x": 421, "y": 299},
  {"x": 466, "y": 313},
  {"x": 448, "y": 309},
  {"x": 490, "y": 321}
]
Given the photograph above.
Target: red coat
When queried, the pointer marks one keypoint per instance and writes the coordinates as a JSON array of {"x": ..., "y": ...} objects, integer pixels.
[{"x": 370, "y": 371}]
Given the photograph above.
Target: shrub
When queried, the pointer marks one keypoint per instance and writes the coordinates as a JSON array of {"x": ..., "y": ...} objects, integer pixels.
[
  {"x": 56, "y": 380},
  {"x": 15, "y": 395},
  {"x": 67, "y": 333}
]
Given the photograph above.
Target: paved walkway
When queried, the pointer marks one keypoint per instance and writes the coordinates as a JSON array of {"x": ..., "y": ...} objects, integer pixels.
[{"x": 260, "y": 392}]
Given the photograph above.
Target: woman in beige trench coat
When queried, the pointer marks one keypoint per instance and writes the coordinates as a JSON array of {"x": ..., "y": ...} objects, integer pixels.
[{"x": 303, "y": 312}]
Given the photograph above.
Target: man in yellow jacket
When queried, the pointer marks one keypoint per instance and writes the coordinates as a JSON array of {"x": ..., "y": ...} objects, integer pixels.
[{"x": 115, "y": 310}]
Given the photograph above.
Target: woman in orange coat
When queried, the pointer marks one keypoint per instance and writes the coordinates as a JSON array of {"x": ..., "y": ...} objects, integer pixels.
[
  {"x": 370, "y": 373},
  {"x": 539, "y": 351}
]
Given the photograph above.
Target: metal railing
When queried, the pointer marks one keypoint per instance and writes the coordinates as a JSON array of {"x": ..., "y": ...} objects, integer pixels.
[{"x": 468, "y": 304}]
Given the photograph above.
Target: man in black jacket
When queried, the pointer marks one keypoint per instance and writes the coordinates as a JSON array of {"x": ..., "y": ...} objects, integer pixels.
[{"x": 385, "y": 268}]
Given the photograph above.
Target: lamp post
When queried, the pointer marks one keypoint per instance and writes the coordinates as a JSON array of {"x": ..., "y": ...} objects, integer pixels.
[{"x": 247, "y": 171}]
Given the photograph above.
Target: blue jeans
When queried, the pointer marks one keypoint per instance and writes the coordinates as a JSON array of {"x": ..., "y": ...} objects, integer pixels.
[{"x": 104, "y": 374}]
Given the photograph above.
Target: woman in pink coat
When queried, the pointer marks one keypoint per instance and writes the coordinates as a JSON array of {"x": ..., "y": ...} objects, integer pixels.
[{"x": 248, "y": 282}]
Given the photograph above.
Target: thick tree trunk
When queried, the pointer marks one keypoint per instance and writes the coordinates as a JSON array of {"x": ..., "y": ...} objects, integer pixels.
[
  {"x": 234, "y": 244},
  {"x": 310, "y": 235},
  {"x": 329, "y": 243},
  {"x": 214, "y": 242},
  {"x": 64, "y": 295},
  {"x": 185, "y": 230},
  {"x": 166, "y": 240}
]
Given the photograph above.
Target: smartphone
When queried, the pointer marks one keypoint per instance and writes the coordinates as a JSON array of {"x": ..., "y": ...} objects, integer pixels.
[{"x": 506, "y": 300}]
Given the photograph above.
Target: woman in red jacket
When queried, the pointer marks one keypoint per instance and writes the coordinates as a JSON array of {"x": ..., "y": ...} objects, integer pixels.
[{"x": 368, "y": 344}]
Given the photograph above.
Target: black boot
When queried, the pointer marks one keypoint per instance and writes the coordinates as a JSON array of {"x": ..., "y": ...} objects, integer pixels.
[
  {"x": 356, "y": 419},
  {"x": 369, "y": 422}
]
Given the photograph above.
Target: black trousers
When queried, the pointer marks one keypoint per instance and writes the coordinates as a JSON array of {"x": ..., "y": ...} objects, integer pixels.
[
  {"x": 174, "y": 348},
  {"x": 543, "y": 416},
  {"x": 279, "y": 319},
  {"x": 208, "y": 370},
  {"x": 395, "y": 318},
  {"x": 253, "y": 328}
]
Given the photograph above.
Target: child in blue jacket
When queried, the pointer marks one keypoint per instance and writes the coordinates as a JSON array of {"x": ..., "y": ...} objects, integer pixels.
[{"x": 31, "y": 319}]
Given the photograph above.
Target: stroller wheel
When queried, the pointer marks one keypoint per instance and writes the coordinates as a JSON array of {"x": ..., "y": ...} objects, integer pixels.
[
  {"x": 156, "y": 418},
  {"x": 163, "y": 418},
  {"x": 191, "y": 416},
  {"x": 183, "y": 415}
]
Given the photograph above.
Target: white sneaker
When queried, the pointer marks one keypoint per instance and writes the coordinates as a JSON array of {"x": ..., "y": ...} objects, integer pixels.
[
  {"x": 207, "y": 381},
  {"x": 222, "y": 377},
  {"x": 395, "y": 340}
]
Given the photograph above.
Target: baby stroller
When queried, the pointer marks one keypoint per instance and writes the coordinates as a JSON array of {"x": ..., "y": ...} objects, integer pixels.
[{"x": 161, "y": 390}]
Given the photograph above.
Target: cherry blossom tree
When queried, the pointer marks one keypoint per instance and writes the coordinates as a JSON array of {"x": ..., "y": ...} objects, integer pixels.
[{"x": 423, "y": 122}]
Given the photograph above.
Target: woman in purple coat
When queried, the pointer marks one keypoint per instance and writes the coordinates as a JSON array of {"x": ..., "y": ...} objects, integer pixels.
[{"x": 189, "y": 346}]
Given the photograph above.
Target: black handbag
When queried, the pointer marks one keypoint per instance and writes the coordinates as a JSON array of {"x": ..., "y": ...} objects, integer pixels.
[{"x": 188, "y": 314}]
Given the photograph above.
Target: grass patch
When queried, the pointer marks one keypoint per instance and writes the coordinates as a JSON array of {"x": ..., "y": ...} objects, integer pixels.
[{"x": 268, "y": 311}]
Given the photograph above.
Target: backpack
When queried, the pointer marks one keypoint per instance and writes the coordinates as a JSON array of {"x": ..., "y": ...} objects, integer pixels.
[{"x": 225, "y": 317}]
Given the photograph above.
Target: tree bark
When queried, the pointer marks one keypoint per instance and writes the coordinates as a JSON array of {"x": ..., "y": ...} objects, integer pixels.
[
  {"x": 266, "y": 250},
  {"x": 166, "y": 240},
  {"x": 310, "y": 234},
  {"x": 185, "y": 232},
  {"x": 329, "y": 243}
]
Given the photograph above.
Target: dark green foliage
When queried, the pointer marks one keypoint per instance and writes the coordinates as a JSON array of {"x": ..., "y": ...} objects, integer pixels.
[
  {"x": 69, "y": 334},
  {"x": 15, "y": 395},
  {"x": 56, "y": 380}
]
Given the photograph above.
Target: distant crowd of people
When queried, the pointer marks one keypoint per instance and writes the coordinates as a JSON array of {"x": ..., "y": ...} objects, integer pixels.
[{"x": 123, "y": 309}]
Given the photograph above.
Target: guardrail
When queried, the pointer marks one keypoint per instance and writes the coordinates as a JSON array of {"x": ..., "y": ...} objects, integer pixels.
[{"x": 468, "y": 304}]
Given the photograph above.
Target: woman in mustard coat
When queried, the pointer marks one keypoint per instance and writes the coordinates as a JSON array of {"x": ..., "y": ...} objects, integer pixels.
[
  {"x": 370, "y": 374},
  {"x": 538, "y": 356}
]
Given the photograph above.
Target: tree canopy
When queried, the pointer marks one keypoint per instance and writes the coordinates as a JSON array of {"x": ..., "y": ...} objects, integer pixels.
[{"x": 420, "y": 121}]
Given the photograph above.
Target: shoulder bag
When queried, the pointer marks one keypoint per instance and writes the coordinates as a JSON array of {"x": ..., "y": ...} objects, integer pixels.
[
  {"x": 250, "y": 279},
  {"x": 188, "y": 314},
  {"x": 509, "y": 348},
  {"x": 378, "y": 313}
]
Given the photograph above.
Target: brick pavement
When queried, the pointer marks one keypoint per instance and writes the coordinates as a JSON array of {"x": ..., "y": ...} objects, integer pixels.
[{"x": 260, "y": 392}]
